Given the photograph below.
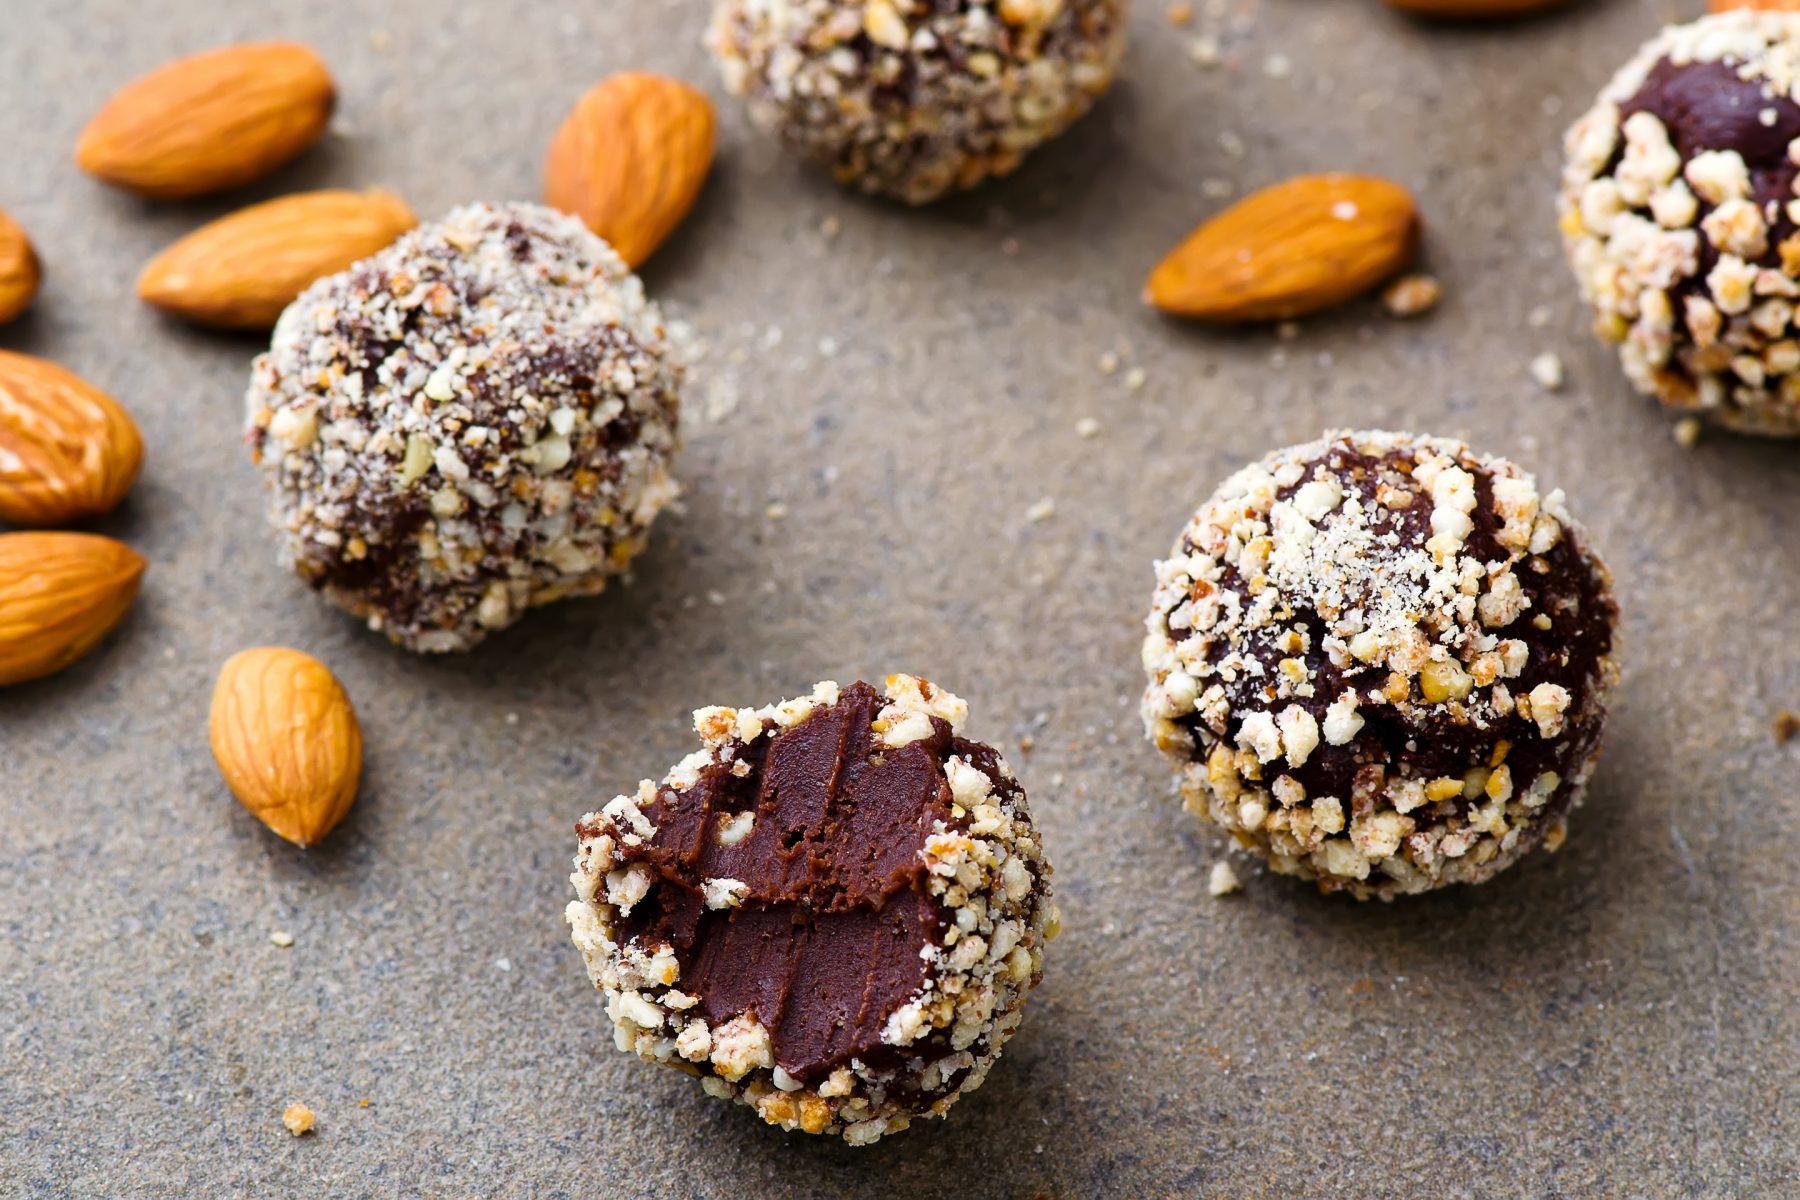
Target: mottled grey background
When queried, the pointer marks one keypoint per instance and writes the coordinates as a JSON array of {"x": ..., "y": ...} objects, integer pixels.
[{"x": 1617, "y": 1020}]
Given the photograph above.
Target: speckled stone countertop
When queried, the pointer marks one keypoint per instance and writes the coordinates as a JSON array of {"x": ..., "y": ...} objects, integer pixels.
[{"x": 1618, "y": 1019}]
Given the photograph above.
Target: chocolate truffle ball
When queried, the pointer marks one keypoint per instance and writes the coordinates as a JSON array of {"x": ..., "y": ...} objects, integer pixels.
[
  {"x": 831, "y": 913},
  {"x": 475, "y": 421},
  {"x": 916, "y": 98},
  {"x": 1679, "y": 212},
  {"x": 1381, "y": 662}
]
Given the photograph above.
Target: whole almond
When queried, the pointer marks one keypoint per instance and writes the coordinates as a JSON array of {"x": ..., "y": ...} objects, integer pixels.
[
  {"x": 242, "y": 270},
  {"x": 60, "y": 593},
  {"x": 631, "y": 158},
  {"x": 1478, "y": 10},
  {"x": 20, "y": 272},
  {"x": 1290, "y": 250},
  {"x": 213, "y": 121},
  {"x": 287, "y": 741},
  {"x": 68, "y": 452}
]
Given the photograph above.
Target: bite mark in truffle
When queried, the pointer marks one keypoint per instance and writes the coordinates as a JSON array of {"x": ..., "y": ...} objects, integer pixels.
[
  {"x": 822, "y": 940},
  {"x": 837, "y": 908}
]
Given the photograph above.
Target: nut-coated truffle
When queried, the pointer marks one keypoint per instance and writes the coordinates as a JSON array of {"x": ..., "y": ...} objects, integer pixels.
[
  {"x": 913, "y": 99},
  {"x": 475, "y": 421},
  {"x": 831, "y": 912},
  {"x": 1381, "y": 662},
  {"x": 1682, "y": 221}
]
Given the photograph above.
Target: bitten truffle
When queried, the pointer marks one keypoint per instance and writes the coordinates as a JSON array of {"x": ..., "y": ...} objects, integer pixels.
[
  {"x": 473, "y": 422},
  {"x": 1680, "y": 216},
  {"x": 1381, "y": 662},
  {"x": 916, "y": 98},
  {"x": 831, "y": 912}
]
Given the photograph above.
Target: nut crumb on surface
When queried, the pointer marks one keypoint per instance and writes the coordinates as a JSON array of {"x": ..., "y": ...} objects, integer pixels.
[
  {"x": 1224, "y": 880},
  {"x": 1411, "y": 295},
  {"x": 1043, "y": 510},
  {"x": 299, "y": 1119},
  {"x": 1687, "y": 432},
  {"x": 1547, "y": 370},
  {"x": 1087, "y": 427},
  {"x": 282, "y": 938},
  {"x": 1787, "y": 727}
]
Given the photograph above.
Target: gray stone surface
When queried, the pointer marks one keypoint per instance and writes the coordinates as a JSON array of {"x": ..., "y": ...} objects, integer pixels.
[{"x": 1617, "y": 1019}]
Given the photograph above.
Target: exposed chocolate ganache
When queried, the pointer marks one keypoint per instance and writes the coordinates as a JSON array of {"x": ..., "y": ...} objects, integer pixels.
[{"x": 832, "y": 913}]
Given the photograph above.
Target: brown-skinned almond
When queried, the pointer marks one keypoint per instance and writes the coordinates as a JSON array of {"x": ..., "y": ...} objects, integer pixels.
[
  {"x": 68, "y": 452},
  {"x": 287, "y": 741},
  {"x": 1474, "y": 10},
  {"x": 1289, "y": 250},
  {"x": 210, "y": 122},
  {"x": 60, "y": 593},
  {"x": 20, "y": 271},
  {"x": 631, "y": 158},
  {"x": 242, "y": 270}
]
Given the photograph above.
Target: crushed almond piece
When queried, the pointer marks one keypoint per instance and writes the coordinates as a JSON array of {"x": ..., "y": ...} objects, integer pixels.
[
  {"x": 1411, "y": 295},
  {"x": 1547, "y": 370}
]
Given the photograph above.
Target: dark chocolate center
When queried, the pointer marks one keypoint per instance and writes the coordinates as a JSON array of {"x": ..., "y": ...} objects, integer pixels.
[{"x": 826, "y": 942}]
